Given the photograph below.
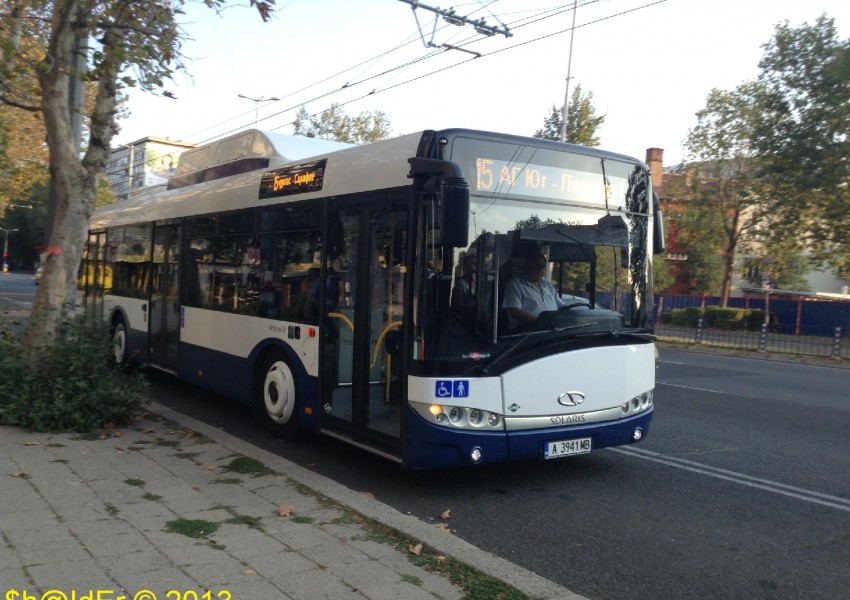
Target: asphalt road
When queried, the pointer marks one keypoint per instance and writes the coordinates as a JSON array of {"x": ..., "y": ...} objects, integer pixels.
[
  {"x": 741, "y": 490},
  {"x": 17, "y": 290}
]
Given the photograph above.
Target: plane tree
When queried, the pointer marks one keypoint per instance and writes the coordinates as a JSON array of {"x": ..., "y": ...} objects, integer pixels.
[
  {"x": 108, "y": 45},
  {"x": 334, "y": 123},
  {"x": 582, "y": 121},
  {"x": 804, "y": 139}
]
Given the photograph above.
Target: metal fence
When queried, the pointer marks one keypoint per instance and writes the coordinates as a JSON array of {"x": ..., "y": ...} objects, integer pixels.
[{"x": 826, "y": 341}]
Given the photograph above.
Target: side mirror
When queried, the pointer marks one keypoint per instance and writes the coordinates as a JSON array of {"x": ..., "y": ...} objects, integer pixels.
[
  {"x": 455, "y": 221},
  {"x": 454, "y": 196},
  {"x": 658, "y": 234}
]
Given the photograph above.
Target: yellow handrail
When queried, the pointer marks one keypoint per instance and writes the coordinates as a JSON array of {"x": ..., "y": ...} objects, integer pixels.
[
  {"x": 348, "y": 322},
  {"x": 381, "y": 337}
]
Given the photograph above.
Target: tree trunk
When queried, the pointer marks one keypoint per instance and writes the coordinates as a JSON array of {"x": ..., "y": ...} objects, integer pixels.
[
  {"x": 74, "y": 181},
  {"x": 733, "y": 233}
]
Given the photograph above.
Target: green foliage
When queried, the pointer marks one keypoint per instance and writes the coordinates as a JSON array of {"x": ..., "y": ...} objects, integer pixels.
[
  {"x": 582, "y": 122},
  {"x": 334, "y": 124},
  {"x": 753, "y": 319},
  {"x": 717, "y": 317},
  {"x": 248, "y": 466},
  {"x": 73, "y": 388},
  {"x": 687, "y": 316},
  {"x": 805, "y": 136},
  {"x": 723, "y": 318},
  {"x": 662, "y": 275},
  {"x": 194, "y": 528}
]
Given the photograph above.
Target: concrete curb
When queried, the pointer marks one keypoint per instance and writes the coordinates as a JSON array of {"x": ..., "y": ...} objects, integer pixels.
[{"x": 527, "y": 582}]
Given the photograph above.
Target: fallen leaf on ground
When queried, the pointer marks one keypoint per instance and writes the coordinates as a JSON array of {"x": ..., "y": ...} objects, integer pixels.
[
  {"x": 19, "y": 474},
  {"x": 443, "y": 526},
  {"x": 417, "y": 549},
  {"x": 149, "y": 430},
  {"x": 285, "y": 511},
  {"x": 212, "y": 467},
  {"x": 369, "y": 495},
  {"x": 248, "y": 572},
  {"x": 446, "y": 514},
  {"x": 32, "y": 443}
]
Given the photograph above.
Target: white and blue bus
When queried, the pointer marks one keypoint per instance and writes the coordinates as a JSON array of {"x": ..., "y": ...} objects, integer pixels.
[{"x": 357, "y": 291}]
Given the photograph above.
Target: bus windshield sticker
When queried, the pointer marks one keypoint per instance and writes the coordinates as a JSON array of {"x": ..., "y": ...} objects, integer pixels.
[{"x": 298, "y": 179}]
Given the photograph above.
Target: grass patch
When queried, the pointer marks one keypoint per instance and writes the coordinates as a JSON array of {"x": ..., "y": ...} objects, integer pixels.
[
  {"x": 227, "y": 480},
  {"x": 168, "y": 443},
  {"x": 245, "y": 465},
  {"x": 135, "y": 482},
  {"x": 111, "y": 509},
  {"x": 345, "y": 519},
  {"x": 152, "y": 497},
  {"x": 252, "y": 522},
  {"x": 299, "y": 519},
  {"x": 194, "y": 528},
  {"x": 54, "y": 445},
  {"x": 475, "y": 584},
  {"x": 189, "y": 455}
]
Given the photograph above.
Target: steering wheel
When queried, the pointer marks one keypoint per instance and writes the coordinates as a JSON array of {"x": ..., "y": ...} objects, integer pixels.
[{"x": 575, "y": 304}]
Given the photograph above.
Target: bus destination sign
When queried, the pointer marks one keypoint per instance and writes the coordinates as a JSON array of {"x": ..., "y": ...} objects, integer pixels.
[
  {"x": 504, "y": 177},
  {"x": 298, "y": 179}
]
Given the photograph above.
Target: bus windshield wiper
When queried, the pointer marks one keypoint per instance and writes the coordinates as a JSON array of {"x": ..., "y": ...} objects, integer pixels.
[
  {"x": 513, "y": 347},
  {"x": 639, "y": 334}
]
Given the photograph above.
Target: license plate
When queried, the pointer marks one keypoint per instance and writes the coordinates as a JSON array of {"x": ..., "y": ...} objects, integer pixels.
[{"x": 567, "y": 448}]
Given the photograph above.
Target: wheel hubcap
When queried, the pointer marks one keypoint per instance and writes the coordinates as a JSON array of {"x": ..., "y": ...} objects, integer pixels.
[{"x": 279, "y": 393}]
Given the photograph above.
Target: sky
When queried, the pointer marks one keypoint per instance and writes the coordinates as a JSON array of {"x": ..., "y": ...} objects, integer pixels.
[{"x": 649, "y": 64}]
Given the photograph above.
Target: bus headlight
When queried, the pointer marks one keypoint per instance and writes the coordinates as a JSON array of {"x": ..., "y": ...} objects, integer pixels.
[
  {"x": 460, "y": 417},
  {"x": 639, "y": 403}
]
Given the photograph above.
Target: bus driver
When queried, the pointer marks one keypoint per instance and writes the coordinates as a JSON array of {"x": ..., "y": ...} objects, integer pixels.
[{"x": 529, "y": 295}]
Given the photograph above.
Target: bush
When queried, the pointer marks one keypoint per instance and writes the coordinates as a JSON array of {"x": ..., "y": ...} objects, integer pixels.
[
  {"x": 73, "y": 389},
  {"x": 688, "y": 317},
  {"x": 723, "y": 318},
  {"x": 754, "y": 319}
]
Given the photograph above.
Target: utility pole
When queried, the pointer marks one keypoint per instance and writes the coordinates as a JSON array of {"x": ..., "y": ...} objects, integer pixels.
[
  {"x": 256, "y": 102},
  {"x": 6, "y": 249},
  {"x": 569, "y": 66}
]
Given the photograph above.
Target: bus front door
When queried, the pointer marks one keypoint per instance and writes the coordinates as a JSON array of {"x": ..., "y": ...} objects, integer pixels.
[
  {"x": 94, "y": 280},
  {"x": 165, "y": 298},
  {"x": 362, "y": 381}
]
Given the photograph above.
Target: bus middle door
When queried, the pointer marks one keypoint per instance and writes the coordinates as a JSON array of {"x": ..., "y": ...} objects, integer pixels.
[
  {"x": 164, "y": 306},
  {"x": 362, "y": 380}
]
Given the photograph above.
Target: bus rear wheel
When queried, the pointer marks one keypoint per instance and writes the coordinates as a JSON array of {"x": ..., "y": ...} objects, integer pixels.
[
  {"x": 277, "y": 402},
  {"x": 119, "y": 343}
]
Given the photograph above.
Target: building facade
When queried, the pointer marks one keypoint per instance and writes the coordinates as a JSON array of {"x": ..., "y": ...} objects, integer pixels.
[{"x": 142, "y": 164}]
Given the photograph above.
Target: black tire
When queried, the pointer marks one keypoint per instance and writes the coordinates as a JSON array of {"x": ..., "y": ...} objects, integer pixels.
[
  {"x": 276, "y": 401},
  {"x": 118, "y": 338}
]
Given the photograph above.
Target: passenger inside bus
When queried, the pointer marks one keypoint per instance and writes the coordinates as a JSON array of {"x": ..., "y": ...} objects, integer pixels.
[
  {"x": 526, "y": 296},
  {"x": 465, "y": 288}
]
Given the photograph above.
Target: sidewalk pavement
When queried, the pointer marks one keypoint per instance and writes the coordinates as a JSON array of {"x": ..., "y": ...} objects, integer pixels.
[{"x": 91, "y": 519}]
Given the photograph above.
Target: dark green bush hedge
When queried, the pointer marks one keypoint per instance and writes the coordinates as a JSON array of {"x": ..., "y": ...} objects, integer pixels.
[
  {"x": 73, "y": 389},
  {"x": 750, "y": 319}
]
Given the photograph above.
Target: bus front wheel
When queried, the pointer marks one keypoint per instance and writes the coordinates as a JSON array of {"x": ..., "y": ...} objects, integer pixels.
[{"x": 277, "y": 402}]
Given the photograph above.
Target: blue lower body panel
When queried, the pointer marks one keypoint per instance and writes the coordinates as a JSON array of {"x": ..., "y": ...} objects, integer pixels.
[{"x": 430, "y": 446}]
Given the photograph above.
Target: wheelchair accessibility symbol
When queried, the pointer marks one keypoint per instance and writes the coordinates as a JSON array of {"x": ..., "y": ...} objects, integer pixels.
[{"x": 452, "y": 389}]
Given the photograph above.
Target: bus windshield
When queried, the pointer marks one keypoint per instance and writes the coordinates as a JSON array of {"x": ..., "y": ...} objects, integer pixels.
[{"x": 583, "y": 220}]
